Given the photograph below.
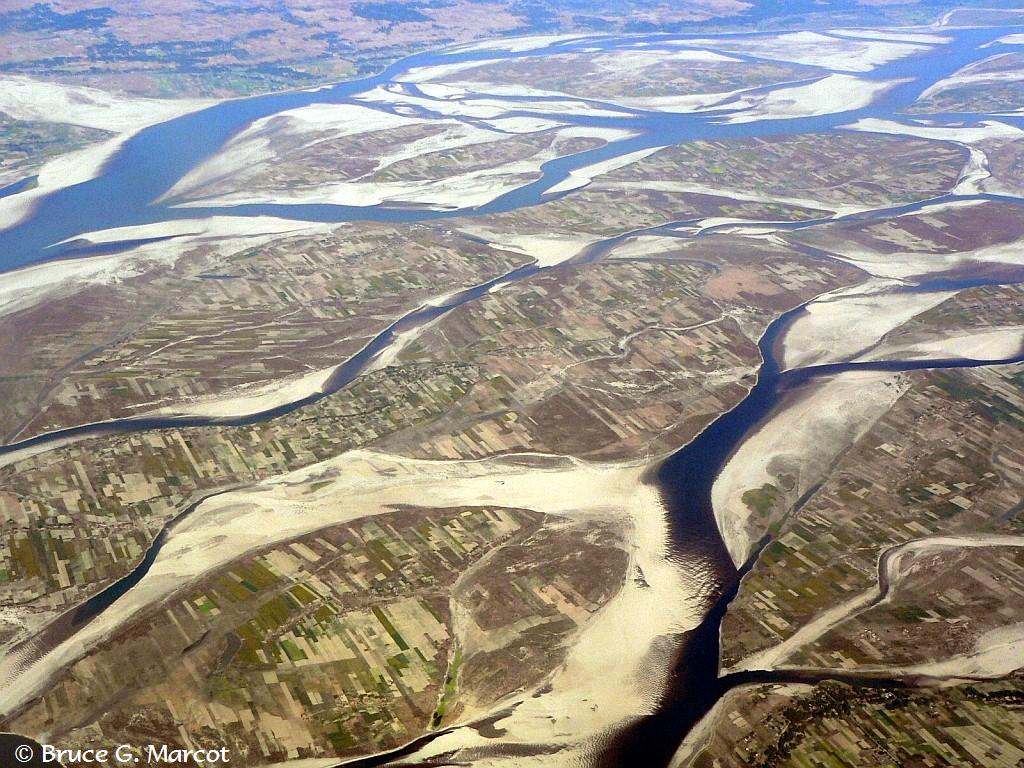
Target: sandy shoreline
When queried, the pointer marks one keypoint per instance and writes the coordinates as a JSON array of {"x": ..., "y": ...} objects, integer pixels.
[
  {"x": 262, "y": 143},
  {"x": 988, "y": 344},
  {"x": 843, "y": 324},
  {"x": 801, "y": 439},
  {"x": 829, "y": 95}
]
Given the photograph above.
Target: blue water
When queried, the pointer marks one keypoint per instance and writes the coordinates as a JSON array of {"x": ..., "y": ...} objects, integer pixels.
[
  {"x": 18, "y": 186},
  {"x": 155, "y": 159}
]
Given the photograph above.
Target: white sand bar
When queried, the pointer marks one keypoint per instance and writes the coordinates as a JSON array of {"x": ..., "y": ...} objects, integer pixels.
[
  {"x": 986, "y": 129},
  {"x": 256, "y": 144},
  {"x": 996, "y": 653},
  {"x": 897, "y": 35},
  {"x": 829, "y": 95},
  {"x": 545, "y": 250},
  {"x": 265, "y": 142},
  {"x": 988, "y": 344},
  {"x": 251, "y": 399},
  {"x": 516, "y": 44},
  {"x": 902, "y": 265},
  {"x": 840, "y": 325},
  {"x": 819, "y": 50},
  {"x": 581, "y": 177},
  {"x": 26, "y": 99}
]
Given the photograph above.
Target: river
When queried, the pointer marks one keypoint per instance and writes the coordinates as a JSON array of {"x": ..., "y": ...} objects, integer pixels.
[{"x": 152, "y": 161}]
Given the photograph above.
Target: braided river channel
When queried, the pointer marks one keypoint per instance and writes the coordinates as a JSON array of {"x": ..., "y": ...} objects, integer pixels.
[{"x": 152, "y": 161}]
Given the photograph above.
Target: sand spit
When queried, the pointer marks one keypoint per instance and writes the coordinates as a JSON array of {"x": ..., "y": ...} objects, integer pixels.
[
  {"x": 996, "y": 654},
  {"x": 261, "y": 146},
  {"x": 837, "y": 209},
  {"x": 210, "y": 228},
  {"x": 842, "y": 324},
  {"x": 250, "y": 399},
  {"x": 482, "y": 108},
  {"x": 698, "y": 102},
  {"x": 456, "y": 192},
  {"x": 989, "y": 344},
  {"x": 545, "y": 250},
  {"x": 894, "y": 563},
  {"x": 443, "y": 73},
  {"x": 846, "y": 54},
  {"x": 801, "y": 440},
  {"x": 948, "y": 205},
  {"x": 904, "y": 265},
  {"x": 637, "y": 60},
  {"x": 643, "y": 246},
  {"x": 893, "y": 35},
  {"x": 515, "y": 44},
  {"x": 947, "y": 18},
  {"x": 256, "y": 144},
  {"x": 826, "y": 96},
  {"x": 581, "y": 177},
  {"x": 970, "y": 76},
  {"x": 974, "y": 174},
  {"x": 982, "y": 131},
  {"x": 22, "y": 288},
  {"x": 66, "y": 170},
  {"x": 30, "y": 285},
  {"x": 25, "y": 99}
]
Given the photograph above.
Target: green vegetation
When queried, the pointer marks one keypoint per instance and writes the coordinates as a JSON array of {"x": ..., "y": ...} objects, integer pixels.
[
  {"x": 450, "y": 691},
  {"x": 762, "y": 500},
  {"x": 389, "y": 628}
]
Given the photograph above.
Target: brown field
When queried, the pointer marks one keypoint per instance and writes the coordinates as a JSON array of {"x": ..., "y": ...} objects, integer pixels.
[
  {"x": 611, "y": 76},
  {"x": 213, "y": 322}
]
